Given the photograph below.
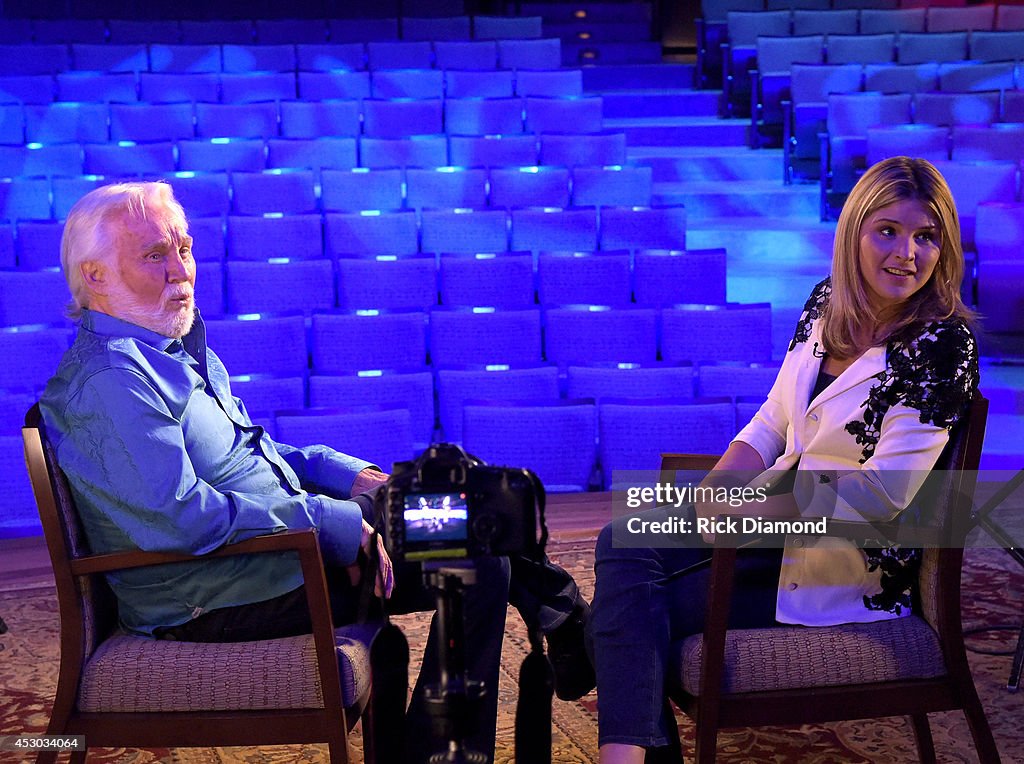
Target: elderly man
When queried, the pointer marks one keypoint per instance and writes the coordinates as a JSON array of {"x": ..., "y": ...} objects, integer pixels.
[{"x": 161, "y": 457}]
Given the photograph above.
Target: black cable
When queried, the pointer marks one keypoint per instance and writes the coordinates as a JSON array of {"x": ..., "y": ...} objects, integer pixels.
[{"x": 982, "y": 630}]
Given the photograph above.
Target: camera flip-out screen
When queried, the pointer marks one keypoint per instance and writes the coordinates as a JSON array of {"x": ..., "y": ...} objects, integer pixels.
[{"x": 436, "y": 521}]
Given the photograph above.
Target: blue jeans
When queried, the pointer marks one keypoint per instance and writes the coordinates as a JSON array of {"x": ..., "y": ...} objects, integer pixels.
[{"x": 645, "y": 600}]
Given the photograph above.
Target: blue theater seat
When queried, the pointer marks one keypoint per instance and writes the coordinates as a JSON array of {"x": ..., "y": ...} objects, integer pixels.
[
  {"x": 530, "y": 54},
  {"x": 67, "y": 191},
  {"x": 12, "y": 417},
  {"x": 996, "y": 45},
  {"x": 700, "y": 333},
  {"x": 262, "y": 238},
  {"x": 241, "y": 342},
  {"x": 369, "y": 339},
  {"x": 224, "y": 32},
  {"x": 379, "y": 434},
  {"x": 560, "y": 115},
  {"x": 387, "y": 282},
  {"x": 407, "y": 83},
  {"x": 551, "y": 228},
  {"x": 126, "y": 31},
  {"x": 273, "y": 191},
  {"x": 8, "y": 254},
  {"x": 362, "y": 29},
  {"x": 464, "y": 230},
  {"x": 38, "y": 245},
  {"x": 615, "y": 185},
  {"x": 258, "y": 58},
  {"x": 445, "y": 187},
  {"x": 177, "y": 87},
  {"x": 584, "y": 278},
  {"x": 128, "y": 159},
  {"x": 402, "y": 118},
  {"x": 202, "y": 194},
  {"x": 877, "y": 48},
  {"x": 32, "y": 354},
  {"x": 501, "y": 382},
  {"x": 413, "y": 151},
  {"x": 380, "y": 233},
  {"x": 21, "y": 59},
  {"x": 323, "y": 86},
  {"x": 184, "y": 59},
  {"x": 209, "y": 289},
  {"x": 468, "y": 336},
  {"x": 736, "y": 379},
  {"x": 290, "y": 31},
  {"x": 434, "y": 28},
  {"x": 925, "y": 141},
  {"x": 529, "y": 187},
  {"x": 399, "y": 55},
  {"x": 629, "y": 380},
  {"x": 478, "y": 84},
  {"x": 250, "y": 120},
  {"x": 314, "y": 153},
  {"x": 507, "y": 28},
  {"x": 939, "y": 19},
  {"x": 150, "y": 122},
  {"x": 256, "y": 87},
  {"x": 32, "y": 297},
  {"x": 875, "y": 20},
  {"x": 643, "y": 227},
  {"x": 483, "y": 116},
  {"x": 1000, "y": 141},
  {"x": 581, "y": 334},
  {"x": 674, "y": 277},
  {"x": 494, "y": 150},
  {"x": 974, "y": 183},
  {"x": 279, "y": 286},
  {"x": 98, "y": 87},
  {"x": 69, "y": 30},
  {"x": 361, "y": 189},
  {"x": 207, "y": 238},
  {"x": 569, "y": 150},
  {"x": 24, "y": 199},
  {"x": 329, "y": 57},
  {"x": 921, "y": 47},
  {"x": 27, "y": 88},
  {"x": 956, "y": 108},
  {"x": 89, "y": 57},
  {"x": 549, "y": 83},
  {"x": 849, "y": 117},
  {"x": 267, "y": 393},
  {"x": 66, "y": 123},
  {"x": 463, "y": 54},
  {"x": 495, "y": 279},
  {"x": 824, "y": 21},
  {"x": 973, "y": 76}
]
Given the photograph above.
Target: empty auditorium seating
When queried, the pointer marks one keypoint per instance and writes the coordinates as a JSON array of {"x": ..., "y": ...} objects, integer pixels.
[
  {"x": 478, "y": 84},
  {"x": 282, "y": 191},
  {"x": 98, "y": 87},
  {"x": 551, "y": 228},
  {"x": 629, "y": 380},
  {"x": 24, "y": 199},
  {"x": 257, "y": 86},
  {"x": 464, "y": 230},
  {"x": 901, "y": 78},
  {"x": 506, "y": 28},
  {"x": 258, "y": 58},
  {"x": 184, "y": 58},
  {"x": 483, "y": 116},
  {"x": 920, "y": 47},
  {"x": 877, "y": 48},
  {"x": 643, "y": 227},
  {"x": 109, "y": 57},
  {"x": 591, "y": 333},
  {"x": 202, "y": 194},
  {"x": 265, "y": 393},
  {"x": 361, "y": 189},
  {"x": 370, "y": 232},
  {"x": 440, "y": 28},
  {"x": 975, "y": 182},
  {"x": 38, "y": 244},
  {"x": 552, "y": 83},
  {"x": 380, "y": 434},
  {"x": 322, "y": 86},
  {"x": 66, "y": 123},
  {"x": 456, "y": 386},
  {"x": 496, "y": 150},
  {"x": 445, "y": 187},
  {"x": 568, "y": 150},
  {"x": 367, "y": 339},
  {"x": 530, "y": 54},
  {"x": 736, "y": 379},
  {"x": 998, "y": 141},
  {"x": 313, "y": 153},
  {"x": 584, "y": 278},
  {"x": 279, "y": 285},
  {"x": 32, "y": 353},
  {"x": 615, "y": 186},
  {"x": 476, "y": 54},
  {"x": 388, "y": 282},
  {"x": 484, "y": 335},
  {"x": 399, "y": 55},
  {"x": 262, "y": 238},
  {"x": 177, "y": 87},
  {"x": 128, "y": 159},
  {"x": 251, "y": 120},
  {"x": 529, "y": 187},
  {"x": 414, "y": 151},
  {"x": 407, "y": 83},
  {"x": 149, "y": 122},
  {"x": 580, "y": 114},
  {"x": 673, "y": 277},
  {"x": 999, "y": 238},
  {"x": 327, "y": 57},
  {"x": 32, "y": 297},
  {"x": 700, "y": 333},
  {"x": 41, "y": 159},
  {"x": 498, "y": 280},
  {"x": 929, "y": 142}
]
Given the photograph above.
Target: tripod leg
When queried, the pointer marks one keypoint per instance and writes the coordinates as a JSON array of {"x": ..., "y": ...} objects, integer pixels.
[{"x": 1013, "y": 683}]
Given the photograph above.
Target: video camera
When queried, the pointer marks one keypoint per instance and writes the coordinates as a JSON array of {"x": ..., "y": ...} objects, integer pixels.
[{"x": 448, "y": 505}]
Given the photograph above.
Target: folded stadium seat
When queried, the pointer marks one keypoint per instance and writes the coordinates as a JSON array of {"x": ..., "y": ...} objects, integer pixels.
[
  {"x": 961, "y": 19},
  {"x": 209, "y": 291},
  {"x": 711, "y": 32},
  {"x": 643, "y": 227},
  {"x": 507, "y": 28},
  {"x": 33, "y": 353},
  {"x": 507, "y": 434},
  {"x": 13, "y": 406},
  {"x": 1003, "y": 141},
  {"x": 241, "y": 342},
  {"x": 663, "y": 277},
  {"x": 379, "y": 434},
  {"x": 901, "y": 78},
  {"x": 399, "y": 55},
  {"x": 280, "y": 285},
  {"x": 876, "y": 20},
  {"x": 615, "y": 185},
  {"x": 222, "y": 32},
  {"x": 8, "y": 254},
  {"x": 633, "y": 434},
  {"x": 183, "y": 59},
  {"x": 401, "y": 118},
  {"x": 494, "y": 150},
  {"x": 921, "y": 47},
  {"x": 261, "y": 238},
  {"x": 174, "y": 87},
  {"x": 370, "y": 232},
  {"x": 323, "y": 86},
  {"x": 999, "y": 239},
  {"x": 329, "y": 57},
  {"x": 268, "y": 393},
  {"x": 975, "y": 182},
  {"x": 361, "y": 189},
  {"x": 302, "y": 119},
  {"x": 1013, "y": 106},
  {"x": 290, "y": 31},
  {"x": 407, "y": 83},
  {"x": 972, "y": 76},
  {"x": 483, "y": 116},
  {"x": 99, "y": 87},
  {"x": 411, "y": 390},
  {"x": 361, "y": 30},
  {"x": 495, "y": 279},
  {"x": 529, "y": 187},
  {"x": 24, "y": 199},
  {"x": 571, "y": 150},
  {"x": 128, "y": 159},
  {"x": 66, "y": 123},
  {"x": 27, "y": 88},
  {"x": 244, "y": 59},
  {"x": 500, "y": 382},
  {"x": 956, "y": 108},
  {"x": 412, "y": 151},
  {"x": 584, "y": 278},
  {"x": 317, "y": 154},
  {"x": 18, "y": 518},
  {"x": 860, "y": 48},
  {"x": 929, "y": 142},
  {"x": 24, "y": 59},
  {"x": 257, "y": 86},
  {"x": 554, "y": 115},
  {"x": 497, "y": 83},
  {"x": 463, "y": 230},
  {"x": 771, "y": 85},
  {"x": 38, "y": 244},
  {"x": 744, "y": 27},
  {"x": 15, "y": 30},
  {"x": 207, "y": 234},
  {"x": 701, "y": 333},
  {"x": 1009, "y": 17},
  {"x": 585, "y": 334},
  {"x": 127, "y": 31},
  {"x": 89, "y": 57},
  {"x": 550, "y": 83},
  {"x": 386, "y": 282},
  {"x": 151, "y": 121},
  {"x": 289, "y": 192},
  {"x": 995, "y": 46},
  {"x": 387, "y": 340},
  {"x": 817, "y": 21},
  {"x": 445, "y": 187},
  {"x": 477, "y": 54},
  {"x": 12, "y": 124},
  {"x": 551, "y": 228},
  {"x": 530, "y": 54},
  {"x": 629, "y": 380},
  {"x": 736, "y": 379},
  {"x": 40, "y": 159},
  {"x": 439, "y": 28},
  {"x": 222, "y": 155},
  {"x": 32, "y": 297},
  {"x": 48, "y": 31},
  {"x": 484, "y": 335},
  {"x": 235, "y": 120},
  {"x": 810, "y": 85}
]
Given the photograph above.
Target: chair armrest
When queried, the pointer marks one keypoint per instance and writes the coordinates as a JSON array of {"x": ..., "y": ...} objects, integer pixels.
[{"x": 670, "y": 463}]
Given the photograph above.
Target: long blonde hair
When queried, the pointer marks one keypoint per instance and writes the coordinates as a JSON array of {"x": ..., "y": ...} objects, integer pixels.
[{"x": 848, "y": 310}]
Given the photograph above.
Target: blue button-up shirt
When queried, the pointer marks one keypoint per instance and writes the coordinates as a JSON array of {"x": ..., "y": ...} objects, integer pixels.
[{"x": 161, "y": 457}]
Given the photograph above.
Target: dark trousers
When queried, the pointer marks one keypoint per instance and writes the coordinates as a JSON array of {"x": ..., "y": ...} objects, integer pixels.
[{"x": 647, "y": 598}]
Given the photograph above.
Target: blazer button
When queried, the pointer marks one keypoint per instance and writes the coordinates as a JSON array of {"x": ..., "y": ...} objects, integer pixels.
[
  {"x": 813, "y": 417},
  {"x": 793, "y": 587},
  {"x": 798, "y": 543}
]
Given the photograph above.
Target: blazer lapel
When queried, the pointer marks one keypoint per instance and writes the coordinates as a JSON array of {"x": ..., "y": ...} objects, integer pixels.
[{"x": 868, "y": 365}]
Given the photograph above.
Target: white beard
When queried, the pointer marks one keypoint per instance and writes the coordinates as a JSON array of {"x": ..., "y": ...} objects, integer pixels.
[{"x": 174, "y": 324}]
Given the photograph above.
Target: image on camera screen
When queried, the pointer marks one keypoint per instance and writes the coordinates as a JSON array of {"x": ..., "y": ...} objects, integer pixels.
[{"x": 436, "y": 517}]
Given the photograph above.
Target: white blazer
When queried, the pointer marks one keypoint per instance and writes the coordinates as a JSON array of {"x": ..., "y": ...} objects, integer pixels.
[{"x": 862, "y": 448}]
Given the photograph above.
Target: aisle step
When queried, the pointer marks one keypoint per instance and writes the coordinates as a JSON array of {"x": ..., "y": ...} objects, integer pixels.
[
  {"x": 637, "y": 76},
  {"x": 680, "y": 131},
  {"x": 750, "y": 198},
  {"x": 677, "y": 102},
  {"x": 703, "y": 163}
]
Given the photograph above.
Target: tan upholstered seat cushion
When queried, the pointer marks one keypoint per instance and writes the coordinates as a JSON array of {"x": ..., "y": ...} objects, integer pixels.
[
  {"x": 787, "y": 657},
  {"x": 132, "y": 673}
]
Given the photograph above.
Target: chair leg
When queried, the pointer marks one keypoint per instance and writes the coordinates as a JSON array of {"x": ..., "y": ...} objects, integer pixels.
[
  {"x": 984, "y": 743},
  {"x": 705, "y": 747},
  {"x": 923, "y": 737}
]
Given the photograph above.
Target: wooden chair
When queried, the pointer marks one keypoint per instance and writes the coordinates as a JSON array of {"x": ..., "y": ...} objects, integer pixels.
[
  {"x": 906, "y": 666},
  {"x": 119, "y": 689}
]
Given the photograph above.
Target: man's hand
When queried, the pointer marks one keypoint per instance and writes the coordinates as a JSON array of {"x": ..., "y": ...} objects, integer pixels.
[
  {"x": 367, "y": 480},
  {"x": 385, "y": 582}
]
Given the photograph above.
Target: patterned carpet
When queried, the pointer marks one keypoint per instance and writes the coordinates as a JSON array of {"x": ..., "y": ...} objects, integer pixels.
[{"x": 994, "y": 594}]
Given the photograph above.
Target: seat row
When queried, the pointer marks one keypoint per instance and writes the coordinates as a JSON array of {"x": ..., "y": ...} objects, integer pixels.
[
  {"x": 415, "y": 282},
  {"x": 269, "y": 31},
  {"x": 55, "y": 58}
]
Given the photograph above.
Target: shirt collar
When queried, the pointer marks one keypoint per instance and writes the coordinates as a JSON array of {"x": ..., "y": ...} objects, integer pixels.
[{"x": 109, "y": 326}]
